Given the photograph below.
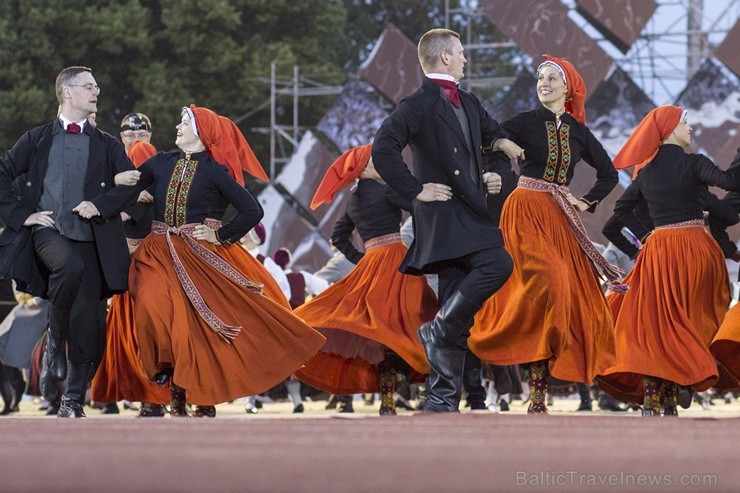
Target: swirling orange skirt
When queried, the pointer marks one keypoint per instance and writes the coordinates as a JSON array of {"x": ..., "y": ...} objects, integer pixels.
[
  {"x": 552, "y": 307},
  {"x": 271, "y": 345},
  {"x": 374, "y": 306},
  {"x": 118, "y": 376},
  {"x": 726, "y": 349},
  {"x": 679, "y": 292}
]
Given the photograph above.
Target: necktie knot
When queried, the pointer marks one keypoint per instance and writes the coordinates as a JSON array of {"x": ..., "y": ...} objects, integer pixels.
[
  {"x": 450, "y": 90},
  {"x": 73, "y": 128}
]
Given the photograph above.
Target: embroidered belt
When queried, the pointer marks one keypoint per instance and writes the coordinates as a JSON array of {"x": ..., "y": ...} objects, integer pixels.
[
  {"x": 683, "y": 224},
  {"x": 383, "y": 240},
  {"x": 227, "y": 332},
  {"x": 560, "y": 193}
]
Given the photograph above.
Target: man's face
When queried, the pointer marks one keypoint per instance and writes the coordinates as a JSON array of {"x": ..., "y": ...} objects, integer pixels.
[
  {"x": 455, "y": 59},
  {"x": 128, "y": 137},
  {"x": 83, "y": 93}
]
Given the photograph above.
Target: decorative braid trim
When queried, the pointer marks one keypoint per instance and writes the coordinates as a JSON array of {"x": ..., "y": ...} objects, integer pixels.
[
  {"x": 383, "y": 240},
  {"x": 560, "y": 193},
  {"x": 683, "y": 224},
  {"x": 227, "y": 332}
]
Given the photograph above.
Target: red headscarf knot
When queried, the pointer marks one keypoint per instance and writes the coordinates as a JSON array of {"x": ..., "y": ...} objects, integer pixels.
[
  {"x": 226, "y": 144},
  {"x": 341, "y": 173},
  {"x": 642, "y": 146}
]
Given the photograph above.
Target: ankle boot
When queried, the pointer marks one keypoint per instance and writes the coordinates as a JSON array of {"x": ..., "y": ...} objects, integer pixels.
[
  {"x": 443, "y": 334},
  {"x": 75, "y": 386},
  {"x": 150, "y": 410},
  {"x": 177, "y": 402},
  {"x": 651, "y": 399},
  {"x": 538, "y": 383},
  {"x": 387, "y": 388},
  {"x": 204, "y": 412}
]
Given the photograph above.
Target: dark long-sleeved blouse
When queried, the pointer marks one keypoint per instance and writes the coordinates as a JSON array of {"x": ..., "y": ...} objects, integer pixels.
[
  {"x": 187, "y": 189},
  {"x": 674, "y": 185},
  {"x": 551, "y": 153},
  {"x": 374, "y": 210}
]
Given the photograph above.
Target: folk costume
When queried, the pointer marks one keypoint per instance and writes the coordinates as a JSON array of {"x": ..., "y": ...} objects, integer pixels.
[
  {"x": 678, "y": 292},
  {"x": 199, "y": 320},
  {"x": 446, "y": 129},
  {"x": 551, "y": 312},
  {"x": 370, "y": 317},
  {"x": 77, "y": 263}
]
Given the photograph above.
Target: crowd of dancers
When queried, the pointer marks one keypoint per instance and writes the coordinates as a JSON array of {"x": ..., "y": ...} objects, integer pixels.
[{"x": 143, "y": 278}]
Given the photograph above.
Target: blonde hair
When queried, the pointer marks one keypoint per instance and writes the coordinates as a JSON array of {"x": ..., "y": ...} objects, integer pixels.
[{"x": 432, "y": 44}]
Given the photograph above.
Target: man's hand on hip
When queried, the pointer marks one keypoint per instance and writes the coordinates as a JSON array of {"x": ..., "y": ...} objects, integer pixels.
[{"x": 433, "y": 192}]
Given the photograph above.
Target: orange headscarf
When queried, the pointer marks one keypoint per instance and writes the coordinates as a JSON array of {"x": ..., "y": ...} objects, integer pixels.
[
  {"x": 642, "y": 146},
  {"x": 346, "y": 168},
  {"x": 575, "y": 98},
  {"x": 140, "y": 151},
  {"x": 226, "y": 144}
]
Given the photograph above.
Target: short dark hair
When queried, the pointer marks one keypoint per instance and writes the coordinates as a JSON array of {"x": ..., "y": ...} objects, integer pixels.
[
  {"x": 136, "y": 121},
  {"x": 66, "y": 76}
]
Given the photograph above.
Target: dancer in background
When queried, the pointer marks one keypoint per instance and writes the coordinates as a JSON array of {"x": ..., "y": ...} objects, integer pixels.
[
  {"x": 370, "y": 317},
  {"x": 679, "y": 288}
]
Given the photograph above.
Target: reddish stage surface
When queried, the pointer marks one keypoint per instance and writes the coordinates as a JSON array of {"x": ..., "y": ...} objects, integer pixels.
[{"x": 357, "y": 453}]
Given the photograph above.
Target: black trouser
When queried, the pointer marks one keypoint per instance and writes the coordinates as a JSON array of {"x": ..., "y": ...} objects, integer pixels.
[
  {"x": 75, "y": 284},
  {"x": 476, "y": 275}
]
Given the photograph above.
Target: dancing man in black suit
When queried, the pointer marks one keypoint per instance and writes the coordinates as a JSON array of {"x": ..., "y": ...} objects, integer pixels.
[{"x": 454, "y": 234}]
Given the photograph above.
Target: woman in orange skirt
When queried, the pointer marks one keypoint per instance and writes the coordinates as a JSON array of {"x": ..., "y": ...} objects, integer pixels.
[
  {"x": 371, "y": 316},
  {"x": 200, "y": 321},
  {"x": 726, "y": 350},
  {"x": 551, "y": 313},
  {"x": 679, "y": 288}
]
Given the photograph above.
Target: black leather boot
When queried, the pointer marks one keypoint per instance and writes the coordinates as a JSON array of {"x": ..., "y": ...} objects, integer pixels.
[
  {"x": 443, "y": 333},
  {"x": 54, "y": 362},
  {"x": 472, "y": 383},
  {"x": 444, "y": 394},
  {"x": 74, "y": 390}
]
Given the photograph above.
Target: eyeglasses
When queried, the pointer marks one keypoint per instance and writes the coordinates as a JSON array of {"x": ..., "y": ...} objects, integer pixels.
[
  {"x": 89, "y": 86},
  {"x": 141, "y": 134}
]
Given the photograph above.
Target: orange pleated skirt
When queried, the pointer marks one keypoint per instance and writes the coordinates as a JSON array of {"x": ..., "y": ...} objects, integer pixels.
[
  {"x": 374, "y": 303},
  {"x": 726, "y": 348},
  {"x": 118, "y": 376},
  {"x": 552, "y": 307},
  {"x": 271, "y": 345},
  {"x": 678, "y": 296}
]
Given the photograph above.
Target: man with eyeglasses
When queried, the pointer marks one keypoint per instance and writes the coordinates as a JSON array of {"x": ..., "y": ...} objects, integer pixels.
[
  {"x": 61, "y": 207},
  {"x": 135, "y": 126}
]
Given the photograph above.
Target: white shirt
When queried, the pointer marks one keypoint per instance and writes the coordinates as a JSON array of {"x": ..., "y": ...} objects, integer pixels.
[{"x": 275, "y": 271}]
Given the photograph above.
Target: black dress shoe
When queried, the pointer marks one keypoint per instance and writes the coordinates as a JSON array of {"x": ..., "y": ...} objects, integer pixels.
[
  {"x": 298, "y": 409},
  {"x": 163, "y": 376},
  {"x": 584, "y": 406},
  {"x": 683, "y": 396},
  {"x": 670, "y": 411},
  {"x": 609, "y": 403},
  {"x": 110, "y": 408},
  {"x": 70, "y": 409}
]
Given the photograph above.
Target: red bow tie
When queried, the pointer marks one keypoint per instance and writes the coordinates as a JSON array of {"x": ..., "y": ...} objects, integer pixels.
[
  {"x": 450, "y": 89},
  {"x": 73, "y": 128}
]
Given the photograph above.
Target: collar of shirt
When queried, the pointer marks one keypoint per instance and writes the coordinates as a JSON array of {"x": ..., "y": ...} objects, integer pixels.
[
  {"x": 66, "y": 122},
  {"x": 442, "y": 76}
]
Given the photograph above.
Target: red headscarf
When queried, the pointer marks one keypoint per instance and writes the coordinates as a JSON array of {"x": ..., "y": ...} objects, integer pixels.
[
  {"x": 226, "y": 144},
  {"x": 642, "y": 146},
  {"x": 575, "y": 98},
  {"x": 140, "y": 151},
  {"x": 346, "y": 168}
]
